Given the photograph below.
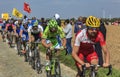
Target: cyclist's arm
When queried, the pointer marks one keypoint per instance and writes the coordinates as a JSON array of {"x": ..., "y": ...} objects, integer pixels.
[
  {"x": 76, "y": 49},
  {"x": 44, "y": 37},
  {"x": 105, "y": 50},
  {"x": 6, "y": 27},
  {"x": 29, "y": 33},
  {"x": 64, "y": 42},
  {"x": 62, "y": 36},
  {"x": 14, "y": 28},
  {"x": 45, "y": 44},
  {"x": 106, "y": 55},
  {"x": 21, "y": 32},
  {"x": 75, "y": 55}
]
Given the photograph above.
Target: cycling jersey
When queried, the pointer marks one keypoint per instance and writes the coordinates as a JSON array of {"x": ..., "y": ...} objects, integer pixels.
[
  {"x": 36, "y": 33},
  {"x": 53, "y": 36},
  {"x": 10, "y": 27},
  {"x": 18, "y": 29},
  {"x": 86, "y": 46},
  {"x": 25, "y": 36}
]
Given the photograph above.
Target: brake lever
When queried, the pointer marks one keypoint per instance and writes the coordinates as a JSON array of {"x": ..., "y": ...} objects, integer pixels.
[{"x": 110, "y": 70}]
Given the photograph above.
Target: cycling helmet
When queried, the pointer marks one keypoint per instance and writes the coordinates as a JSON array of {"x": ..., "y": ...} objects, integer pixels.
[
  {"x": 93, "y": 22},
  {"x": 57, "y": 16},
  {"x": 35, "y": 23},
  {"x": 52, "y": 25}
]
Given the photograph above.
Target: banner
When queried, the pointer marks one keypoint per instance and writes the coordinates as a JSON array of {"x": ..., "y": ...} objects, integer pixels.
[
  {"x": 5, "y": 16},
  {"x": 27, "y": 7},
  {"x": 16, "y": 13}
]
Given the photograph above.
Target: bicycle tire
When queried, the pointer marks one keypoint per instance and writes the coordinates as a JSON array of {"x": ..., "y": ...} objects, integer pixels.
[
  {"x": 57, "y": 69},
  {"x": 3, "y": 36},
  {"x": 27, "y": 52},
  {"x": 48, "y": 74},
  {"x": 37, "y": 61},
  {"x": 10, "y": 40},
  {"x": 19, "y": 47},
  {"x": 92, "y": 74},
  {"x": 33, "y": 63}
]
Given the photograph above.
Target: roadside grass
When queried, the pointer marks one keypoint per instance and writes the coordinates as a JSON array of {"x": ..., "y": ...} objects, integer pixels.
[{"x": 69, "y": 61}]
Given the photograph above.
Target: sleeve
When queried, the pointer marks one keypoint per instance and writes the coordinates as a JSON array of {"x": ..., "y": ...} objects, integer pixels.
[
  {"x": 21, "y": 27},
  {"x": 77, "y": 40},
  {"x": 45, "y": 32},
  {"x": 101, "y": 39},
  {"x": 40, "y": 27}
]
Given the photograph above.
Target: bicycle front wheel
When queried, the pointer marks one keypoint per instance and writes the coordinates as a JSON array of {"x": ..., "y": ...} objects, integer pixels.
[
  {"x": 48, "y": 74},
  {"x": 57, "y": 69},
  {"x": 92, "y": 74}
]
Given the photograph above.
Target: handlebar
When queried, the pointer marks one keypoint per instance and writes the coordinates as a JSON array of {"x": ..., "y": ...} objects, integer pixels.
[
  {"x": 36, "y": 42},
  {"x": 93, "y": 69}
]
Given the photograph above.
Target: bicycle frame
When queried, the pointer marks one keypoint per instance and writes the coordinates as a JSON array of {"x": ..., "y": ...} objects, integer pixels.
[
  {"x": 36, "y": 56},
  {"x": 55, "y": 69}
]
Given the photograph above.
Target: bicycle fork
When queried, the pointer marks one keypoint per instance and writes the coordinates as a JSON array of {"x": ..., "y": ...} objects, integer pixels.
[{"x": 53, "y": 67}]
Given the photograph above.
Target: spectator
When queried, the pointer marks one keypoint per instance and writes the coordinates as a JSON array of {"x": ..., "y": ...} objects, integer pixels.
[
  {"x": 68, "y": 32},
  {"x": 57, "y": 17},
  {"x": 43, "y": 23},
  {"x": 84, "y": 20},
  {"x": 78, "y": 25}
]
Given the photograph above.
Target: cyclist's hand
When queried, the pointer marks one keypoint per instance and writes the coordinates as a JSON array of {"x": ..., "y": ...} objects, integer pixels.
[
  {"x": 62, "y": 48},
  {"x": 87, "y": 65},
  {"x": 106, "y": 65},
  {"x": 51, "y": 48}
]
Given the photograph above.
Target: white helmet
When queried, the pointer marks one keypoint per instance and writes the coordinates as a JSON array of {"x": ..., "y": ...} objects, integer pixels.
[{"x": 57, "y": 16}]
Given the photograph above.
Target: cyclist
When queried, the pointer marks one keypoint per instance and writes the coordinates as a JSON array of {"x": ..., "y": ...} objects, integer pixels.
[
  {"x": 35, "y": 32},
  {"x": 10, "y": 29},
  {"x": 84, "y": 45},
  {"x": 49, "y": 37},
  {"x": 25, "y": 37}
]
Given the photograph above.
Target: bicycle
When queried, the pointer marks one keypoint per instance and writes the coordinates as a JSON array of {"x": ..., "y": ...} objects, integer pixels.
[
  {"x": 34, "y": 57},
  {"x": 3, "y": 36},
  {"x": 93, "y": 72},
  {"x": 55, "y": 69},
  {"x": 10, "y": 38},
  {"x": 19, "y": 45}
]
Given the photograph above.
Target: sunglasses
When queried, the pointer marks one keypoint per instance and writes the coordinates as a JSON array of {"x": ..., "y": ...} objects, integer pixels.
[{"x": 91, "y": 28}]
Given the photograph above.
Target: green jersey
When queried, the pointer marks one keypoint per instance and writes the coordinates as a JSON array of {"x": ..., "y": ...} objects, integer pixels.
[{"x": 53, "y": 36}]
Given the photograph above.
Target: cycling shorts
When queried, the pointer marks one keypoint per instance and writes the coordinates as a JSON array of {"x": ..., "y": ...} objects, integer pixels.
[{"x": 89, "y": 57}]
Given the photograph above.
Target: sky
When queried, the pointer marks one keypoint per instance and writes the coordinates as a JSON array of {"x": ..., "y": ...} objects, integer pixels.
[{"x": 65, "y": 8}]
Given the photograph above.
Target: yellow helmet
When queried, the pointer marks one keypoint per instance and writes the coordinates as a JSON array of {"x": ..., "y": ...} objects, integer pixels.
[{"x": 92, "y": 21}]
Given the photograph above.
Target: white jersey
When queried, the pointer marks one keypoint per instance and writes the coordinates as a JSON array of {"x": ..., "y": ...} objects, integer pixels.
[{"x": 39, "y": 27}]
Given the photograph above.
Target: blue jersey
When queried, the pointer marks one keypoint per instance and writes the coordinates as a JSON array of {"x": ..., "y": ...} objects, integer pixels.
[
  {"x": 18, "y": 29},
  {"x": 25, "y": 33}
]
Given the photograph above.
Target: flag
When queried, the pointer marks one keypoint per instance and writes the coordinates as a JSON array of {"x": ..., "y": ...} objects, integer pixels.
[
  {"x": 16, "y": 13},
  {"x": 5, "y": 16},
  {"x": 27, "y": 7}
]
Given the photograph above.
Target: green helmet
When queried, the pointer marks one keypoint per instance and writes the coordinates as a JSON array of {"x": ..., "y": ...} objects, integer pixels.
[
  {"x": 52, "y": 25},
  {"x": 35, "y": 23}
]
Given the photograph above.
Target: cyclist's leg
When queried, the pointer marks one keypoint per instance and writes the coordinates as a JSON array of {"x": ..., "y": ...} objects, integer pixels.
[{"x": 93, "y": 58}]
